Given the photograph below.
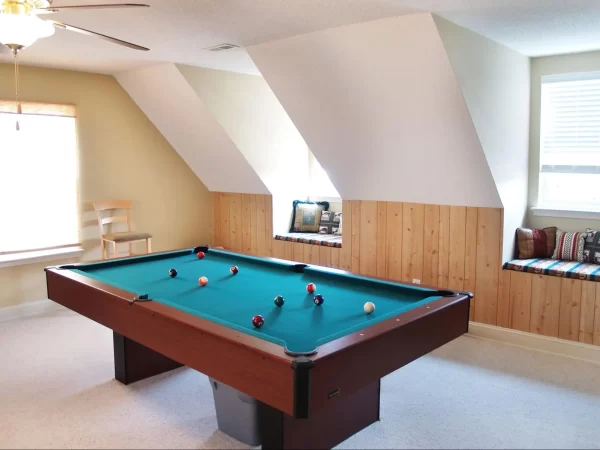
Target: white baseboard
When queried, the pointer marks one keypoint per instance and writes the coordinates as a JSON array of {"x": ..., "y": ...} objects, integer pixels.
[
  {"x": 571, "y": 349},
  {"x": 28, "y": 309}
]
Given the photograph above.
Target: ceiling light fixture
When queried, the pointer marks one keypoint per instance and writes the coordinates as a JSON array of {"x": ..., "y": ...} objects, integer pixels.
[{"x": 18, "y": 31}]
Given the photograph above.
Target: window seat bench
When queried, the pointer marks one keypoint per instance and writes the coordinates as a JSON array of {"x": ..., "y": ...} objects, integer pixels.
[
  {"x": 327, "y": 240},
  {"x": 557, "y": 268}
]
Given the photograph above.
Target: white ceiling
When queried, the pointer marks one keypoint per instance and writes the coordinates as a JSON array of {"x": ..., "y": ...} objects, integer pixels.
[{"x": 179, "y": 30}]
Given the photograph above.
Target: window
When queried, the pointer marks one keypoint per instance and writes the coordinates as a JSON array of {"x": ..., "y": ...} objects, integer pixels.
[
  {"x": 570, "y": 143},
  {"x": 38, "y": 178},
  {"x": 320, "y": 186}
]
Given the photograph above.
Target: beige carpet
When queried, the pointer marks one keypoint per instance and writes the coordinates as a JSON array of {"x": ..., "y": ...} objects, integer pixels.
[{"x": 57, "y": 391}]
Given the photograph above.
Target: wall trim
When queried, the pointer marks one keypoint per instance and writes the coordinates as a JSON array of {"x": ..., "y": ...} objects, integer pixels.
[
  {"x": 28, "y": 309},
  {"x": 546, "y": 344}
]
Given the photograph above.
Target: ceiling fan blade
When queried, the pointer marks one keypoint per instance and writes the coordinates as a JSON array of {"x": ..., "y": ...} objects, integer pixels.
[
  {"x": 55, "y": 9},
  {"x": 64, "y": 26}
]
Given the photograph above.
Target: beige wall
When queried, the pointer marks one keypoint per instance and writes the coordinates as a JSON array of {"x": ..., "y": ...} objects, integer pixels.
[
  {"x": 495, "y": 82},
  {"x": 551, "y": 65},
  {"x": 122, "y": 155}
]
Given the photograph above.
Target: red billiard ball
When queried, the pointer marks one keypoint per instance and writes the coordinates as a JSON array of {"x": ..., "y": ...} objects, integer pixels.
[
  {"x": 202, "y": 281},
  {"x": 319, "y": 299},
  {"x": 311, "y": 287},
  {"x": 234, "y": 270},
  {"x": 200, "y": 255},
  {"x": 258, "y": 321}
]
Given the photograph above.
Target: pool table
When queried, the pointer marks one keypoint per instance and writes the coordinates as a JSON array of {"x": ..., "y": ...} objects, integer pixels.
[{"x": 315, "y": 370}]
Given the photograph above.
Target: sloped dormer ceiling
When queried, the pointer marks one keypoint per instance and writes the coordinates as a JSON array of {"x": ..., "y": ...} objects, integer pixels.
[
  {"x": 379, "y": 105},
  {"x": 167, "y": 99}
]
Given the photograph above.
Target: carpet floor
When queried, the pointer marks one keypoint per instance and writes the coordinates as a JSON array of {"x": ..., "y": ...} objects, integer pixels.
[{"x": 57, "y": 391}]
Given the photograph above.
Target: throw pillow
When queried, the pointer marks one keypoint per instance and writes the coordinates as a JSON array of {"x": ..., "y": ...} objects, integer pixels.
[
  {"x": 533, "y": 243},
  {"x": 569, "y": 246},
  {"x": 330, "y": 222},
  {"x": 337, "y": 224},
  {"x": 591, "y": 248},
  {"x": 307, "y": 216}
]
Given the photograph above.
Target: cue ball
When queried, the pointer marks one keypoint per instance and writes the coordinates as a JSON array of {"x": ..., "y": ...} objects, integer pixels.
[
  {"x": 279, "y": 301},
  {"x": 258, "y": 321},
  {"x": 369, "y": 307},
  {"x": 234, "y": 270},
  {"x": 200, "y": 255},
  {"x": 203, "y": 281},
  {"x": 172, "y": 273},
  {"x": 311, "y": 287},
  {"x": 319, "y": 299}
]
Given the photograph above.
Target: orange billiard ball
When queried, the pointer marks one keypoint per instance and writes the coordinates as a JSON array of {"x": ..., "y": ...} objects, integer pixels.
[
  {"x": 200, "y": 255},
  {"x": 311, "y": 287},
  {"x": 203, "y": 281}
]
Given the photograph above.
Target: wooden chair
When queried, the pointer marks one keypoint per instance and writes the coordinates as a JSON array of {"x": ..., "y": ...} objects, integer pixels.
[{"x": 118, "y": 237}]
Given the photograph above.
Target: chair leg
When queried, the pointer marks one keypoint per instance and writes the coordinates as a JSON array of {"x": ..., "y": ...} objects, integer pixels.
[
  {"x": 115, "y": 249},
  {"x": 148, "y": 245}
]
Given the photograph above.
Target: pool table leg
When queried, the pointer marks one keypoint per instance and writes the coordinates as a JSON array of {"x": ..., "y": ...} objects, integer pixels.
[
  {"x": 325, "y": 428},
  {"x": 135, "y": 362}
]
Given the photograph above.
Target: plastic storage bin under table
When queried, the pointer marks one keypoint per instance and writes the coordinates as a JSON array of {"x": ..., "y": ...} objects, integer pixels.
[{"x": 237, "y": 413}]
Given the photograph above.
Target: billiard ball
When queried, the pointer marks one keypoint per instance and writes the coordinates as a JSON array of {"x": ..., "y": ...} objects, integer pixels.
[
  {"x": 319, "y": 299},
  {"x": 279, "y": 300},
  {"x": 203, "y": 281},
  {"x": 311, "y": 287},
  {"x": 234, "y": 270},
  {"x": 172, "y": 273},
  {"x": 258, "y": 321},
  {"x": 369, "y": 307},
  {"x": 200, "y": 255}
]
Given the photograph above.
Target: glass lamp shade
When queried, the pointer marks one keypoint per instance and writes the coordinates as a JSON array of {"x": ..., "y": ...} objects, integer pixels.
[{"x": 23, "y": 30}]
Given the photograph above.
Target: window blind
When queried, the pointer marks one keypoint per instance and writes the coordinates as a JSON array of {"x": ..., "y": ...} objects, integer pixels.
[
  {"x": 570, "y": 142},
  {"x": 38, "y": 178}
]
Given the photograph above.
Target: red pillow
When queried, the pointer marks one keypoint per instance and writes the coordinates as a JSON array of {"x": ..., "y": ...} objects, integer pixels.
[{"x": 533, "y": 243}]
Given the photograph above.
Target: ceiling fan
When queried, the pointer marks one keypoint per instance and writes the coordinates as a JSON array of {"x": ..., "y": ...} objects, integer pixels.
[{"x": 20, "y": 27}]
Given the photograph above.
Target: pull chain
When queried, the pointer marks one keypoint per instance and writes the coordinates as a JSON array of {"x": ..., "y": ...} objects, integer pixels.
[{"x": 19, "y": 109}]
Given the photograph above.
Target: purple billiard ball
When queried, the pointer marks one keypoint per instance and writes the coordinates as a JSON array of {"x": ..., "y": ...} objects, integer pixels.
[{"x": 319, "y": 299}]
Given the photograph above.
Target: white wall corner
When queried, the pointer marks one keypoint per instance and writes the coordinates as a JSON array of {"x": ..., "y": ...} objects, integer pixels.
[{"x": 170, "y": 103}]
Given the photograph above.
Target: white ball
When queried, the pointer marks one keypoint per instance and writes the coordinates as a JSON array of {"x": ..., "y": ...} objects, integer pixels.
[{"x": 369, "y": 307}]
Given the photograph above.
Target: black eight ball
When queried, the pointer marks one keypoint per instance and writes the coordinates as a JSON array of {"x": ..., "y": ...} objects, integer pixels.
[
  {"x": 279, "y": 300},
  {"x": 172, "y": 273}
]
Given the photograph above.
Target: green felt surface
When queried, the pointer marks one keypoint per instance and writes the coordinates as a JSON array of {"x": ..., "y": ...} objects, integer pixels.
[{"x": 233, "y": 300}]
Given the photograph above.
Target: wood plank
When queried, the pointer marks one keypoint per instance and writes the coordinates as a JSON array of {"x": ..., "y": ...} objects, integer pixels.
[
  {"x": 413, "y": 217},
  {"x": 597, "y": 319},
  {"x": 217, "y": 241},
  {"x": 211, "y": 219},
  {"x": 489, "y": 257},
  {"x": 224, "y": 208},
  {"x": 261, "y": 224},
  {"x": 545, "y": 305},
  {"x": 325, "y": 256},
  {"x": 471, "y": 256},
  {"x": 279, "y": 249},
  {"x": 520, "y": 295},
  {"x": 299, "y": 253},
  {"x": 356, "y": 236},
  {"x": 335, "y": 257},
  {"x": 235, "y": 221},
  {"x": 456, "y": 266},
  {"x": 346, "y": 250},
  {"x": 570, "y": 309},
  {"x": 503, "y": 314},
  {"x": 394, "y": 240},
  {"x": 310, "y": 254},
  {"x": 368, "y": 238},
  {"x": 381, "y": 239},
  {"x": 289, "y": 251},
  {"x": 444, "y": 248},
  {"x": 431, "y": 245},
  {"x": 253, "y": 225},
  {"x": 246, "y": 223},
  {"x": 268, "y": 224},
  {"x": 586, "y": 320}
]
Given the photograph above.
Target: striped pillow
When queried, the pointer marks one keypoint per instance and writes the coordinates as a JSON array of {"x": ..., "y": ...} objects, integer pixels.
[{"x": 569, "y": 246}]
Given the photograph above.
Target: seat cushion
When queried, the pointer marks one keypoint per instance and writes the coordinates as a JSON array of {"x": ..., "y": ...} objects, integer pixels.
[
  {"x": 126, "y": 236},
  {"x": 556, "y": 268},
  {"x": 328, "y": 240}
]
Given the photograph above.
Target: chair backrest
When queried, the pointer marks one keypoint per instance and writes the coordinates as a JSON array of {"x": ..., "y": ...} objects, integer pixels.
[{"x": 112, "y": 205}]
